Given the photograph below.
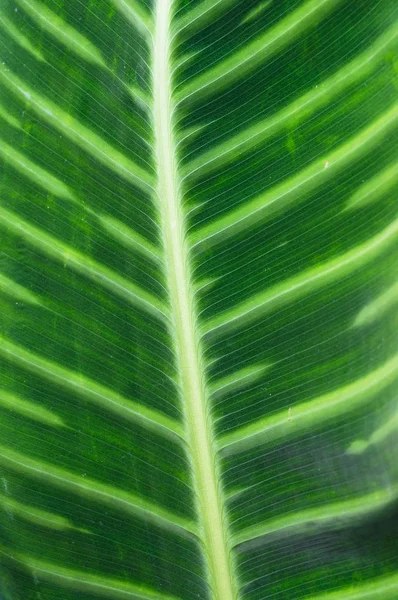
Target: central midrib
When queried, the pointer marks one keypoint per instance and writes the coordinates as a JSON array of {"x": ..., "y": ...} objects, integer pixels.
[{"x": 197, "y": 419}]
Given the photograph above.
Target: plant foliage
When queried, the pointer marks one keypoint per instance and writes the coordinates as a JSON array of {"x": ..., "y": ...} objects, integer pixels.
[{"x": 198, "y": 286}]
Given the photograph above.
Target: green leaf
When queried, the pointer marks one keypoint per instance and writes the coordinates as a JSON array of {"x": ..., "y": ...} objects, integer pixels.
[{"x": 198, "y": 283}]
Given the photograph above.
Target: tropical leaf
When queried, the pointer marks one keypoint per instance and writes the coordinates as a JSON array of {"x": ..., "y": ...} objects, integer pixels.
[{"x": 198, "y": 299}]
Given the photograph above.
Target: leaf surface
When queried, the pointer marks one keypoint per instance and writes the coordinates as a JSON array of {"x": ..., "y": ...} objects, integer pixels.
[{"x": 198, "y": 290}]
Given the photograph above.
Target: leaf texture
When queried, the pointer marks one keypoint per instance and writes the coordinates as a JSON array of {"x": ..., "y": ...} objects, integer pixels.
[{"x": 198, "y": 286}]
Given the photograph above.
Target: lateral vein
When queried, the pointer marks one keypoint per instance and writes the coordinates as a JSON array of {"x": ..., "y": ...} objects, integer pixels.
[
  {"x": 86, "y": 582},
  {"x": 84, "y": 265},
  {"x": 311, "y": 413},
  {"x": 142, "y": 508},
  {"x": 91, "y": 390}
]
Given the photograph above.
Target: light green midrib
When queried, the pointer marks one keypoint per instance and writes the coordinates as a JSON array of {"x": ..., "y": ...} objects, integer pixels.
[{"x": 185, "y": 329}]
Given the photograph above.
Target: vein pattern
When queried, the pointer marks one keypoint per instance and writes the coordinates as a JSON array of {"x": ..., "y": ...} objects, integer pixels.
[{"x": 198, "y": 294}]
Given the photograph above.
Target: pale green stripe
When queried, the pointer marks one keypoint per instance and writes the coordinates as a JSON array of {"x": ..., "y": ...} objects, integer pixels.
[
  {"x": 321, "y": 95},
  {"x": 190, "y": 132},
  {"x": 77, "y": 132},
  {"x": 9, "y": 287},
  {"x": 91, "y": 390},
  {"x": 36, "y": 516},
  {"x": 186, "y": 58},
  {"x": 200, "y": 16},
  {"x": 314, "y": 520},
  {"x": 83, "y": 264},
  {"x": 129, "y": 238},
  {"x": 256, "y": 11},
  {"x": 201, "y": 284},
  {"x": 19, "y": 38},
  {"x": 4, "y": 114},
  {"x": 379, "y": 435},
  {"x": 67, "y": 35},
  {"x": 35, "y": 173},
  {"x": 374, "y": 189},
  {"x": 29, "y": 409},
  {"x": 238, "y": 380},
  {"x": 62, "y": 31},
  {"x": 140, "y": 97},
  {"x": 226, "y": 73},
  {"x": 96, "y": 491},
  {"x": 305, "y": 283},
  {"x": 297, "y": 187},
  {"x": 135, "y": 14},
  {"x": 307, "y": 415},
  {"x": 85, "y": 583},
  {"x": 382, "y": 588},
  {"x": 377, "y": 308}
]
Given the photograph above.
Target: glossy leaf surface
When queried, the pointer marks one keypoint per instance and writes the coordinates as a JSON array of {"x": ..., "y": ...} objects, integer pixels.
[{"x": 198, "y": 286}]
